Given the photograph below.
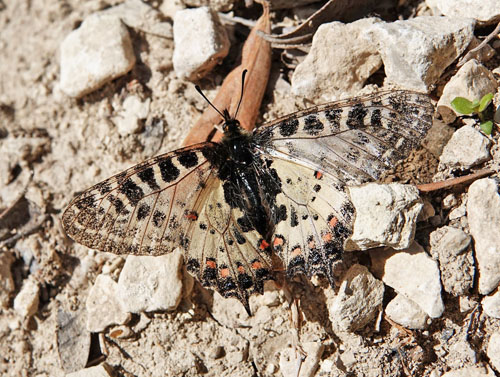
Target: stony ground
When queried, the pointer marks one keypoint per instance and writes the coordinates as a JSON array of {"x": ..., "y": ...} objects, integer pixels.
[{"x": 53, "y": 146}]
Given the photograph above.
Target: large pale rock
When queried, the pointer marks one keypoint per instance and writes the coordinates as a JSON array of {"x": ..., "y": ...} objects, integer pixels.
[
  {"x": 493, "y": 351},
  {"x": 103, "y": 307},
  {"x": 405, "y": 312},
  {"x": 472, "y": 81},
  {"x": 485, "y": 12},
  {"x": 102, "y": 370},
  {"x": 358, "y": 301},
  {"x": 416, "y": 52},
  {"x": 27, "y": 300},
  {"x": 451, "y": 246},
  {"x": 94, "y": 54},
  {"x": 412, "y": 273},
  {"x": 466, "y": 148},
  {"x": 340, "y": 71},
  {"x": 474, "y": 371},
  {"x": 200, "y": 42},
  {"x": 141, "y": 16},
  {"x": 386, "y": 215},
  {"x": 491, "y": 305},
  {"x": 483, "y": 213},
  {"x": 6, "y": 282},
  {"x": 150, "y": 283},
  {"x": 289, "y": 360}
]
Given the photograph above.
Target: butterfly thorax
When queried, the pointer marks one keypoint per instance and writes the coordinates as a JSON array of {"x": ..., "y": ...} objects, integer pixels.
[{"x": 241, "y": 170}]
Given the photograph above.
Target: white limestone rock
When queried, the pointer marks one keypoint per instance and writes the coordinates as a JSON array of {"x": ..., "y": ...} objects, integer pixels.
[
  {"x": 288, "y": 360},
  {"x": 149, "y": 283},
  {"x": 491, "y": 305},
  {"x": 467, "y": 147},
  {"x": 200, "y": 40},
  {"x": 6, "y": 282},
  {"x": 405, "y": 312},
  {"x": 483, "y": 214},
  {"x": 451, "y": 246},
  {"x": 27, "y": 300},
  {"x": 358, "y": 301},
  {"x": 493, "y": 351},
  {"x": 485, "y": 12},
  {"x": 472, "y": 81},
  {"x": 103, "y": 306},
  {"x": 386, "y": 215},
  {"x": 416, "y": 52},
  {"x": 141, "y": 16},
  {"x": 128, "y": 121},
  {"x": 340, "y": 71},
  {"x": 94, "y": 54},
  {"x": 473, "y": 371},
  {"x": 412, "y": 273},
  {"x": 102, "y": 370}
]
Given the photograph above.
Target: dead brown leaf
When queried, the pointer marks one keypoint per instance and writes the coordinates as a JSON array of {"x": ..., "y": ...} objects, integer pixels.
[{"x": 256, "y": 58}]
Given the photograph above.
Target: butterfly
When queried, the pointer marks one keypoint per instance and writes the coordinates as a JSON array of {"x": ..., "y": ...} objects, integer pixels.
[{"x": 256, "y": 200}]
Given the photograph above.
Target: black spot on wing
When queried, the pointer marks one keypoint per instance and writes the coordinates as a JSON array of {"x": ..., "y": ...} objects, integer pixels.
[
  {"x": 289, "y": 127},
  {"x": 188, "y": 159},
  {"x": 333, "y": 117},
  {"x": 376, "y": 118},
  {"x": 143, "y": 211},
  {"x": 294, "y": 220},
  {"x": 148, "y": 176},
  {"x": 312, "y": 125},
  {"x": 169, "y": 172},
  {"x": 356, "y": 116},
  {"x": 133, "y": 192},
  {"x": 158, "y": 218}
]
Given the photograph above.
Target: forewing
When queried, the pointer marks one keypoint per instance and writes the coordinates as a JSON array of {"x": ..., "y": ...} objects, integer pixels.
[
  {"x": 144, "y": 210},
  {"x": 356, "y": 139},
  {"x": 222, "y": 251},
  {"x": 318, "y": 152}
]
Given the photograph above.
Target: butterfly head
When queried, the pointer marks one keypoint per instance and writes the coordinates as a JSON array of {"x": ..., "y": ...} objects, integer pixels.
[{"x": 231, "y": 124}]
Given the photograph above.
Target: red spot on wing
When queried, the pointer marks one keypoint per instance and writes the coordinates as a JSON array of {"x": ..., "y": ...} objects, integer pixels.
[
  {"x": 318, "y": 174},
  {"x": 256, "y": 265},
  {"x": 211, "y": 264},
  {"x": 263, "y": 245},
  {"x": 192, "y": 215},
  {"x": 241, "y": 269}
]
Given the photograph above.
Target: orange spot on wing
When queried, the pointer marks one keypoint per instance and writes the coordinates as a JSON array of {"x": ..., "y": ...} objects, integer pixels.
[
  {"x": 333, "y": 222},
  {"x": 318, "y": 174},
  {"x": 327, "y": 237},
  {"x": 224, "y": 272},
  {"x": 278, "y": 241},
  {"x": 296, "y": 252},
  {"x": 256, "y": 265},
  {"x": 211, "y": 264},
  {"x": 311, "y": 244},
  {"x": 241, "y": 269}
]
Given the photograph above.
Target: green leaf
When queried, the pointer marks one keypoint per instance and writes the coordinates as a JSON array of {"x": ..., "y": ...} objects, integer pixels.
[
  {"x": 487, "y": 127},
  {"x": 462, "y": 105},
  {"x": 485, "y": 101}
]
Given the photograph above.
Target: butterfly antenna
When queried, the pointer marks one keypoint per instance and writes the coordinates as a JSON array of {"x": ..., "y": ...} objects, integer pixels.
[
  {"x": 210, "y": 103},
  {"x": 243, "y": 74}
]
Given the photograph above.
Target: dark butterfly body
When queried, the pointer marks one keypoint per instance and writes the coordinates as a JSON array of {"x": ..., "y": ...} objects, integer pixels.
[{"x": 235, "y": 205}]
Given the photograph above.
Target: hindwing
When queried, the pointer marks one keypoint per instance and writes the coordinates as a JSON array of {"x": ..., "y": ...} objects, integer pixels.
[{"x": 319, "y": 151}]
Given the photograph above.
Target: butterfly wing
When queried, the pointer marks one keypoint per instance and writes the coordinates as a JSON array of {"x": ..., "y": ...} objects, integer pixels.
[
  {"x": 144, "y": 209},
  {"x": 173, "y": 200},
  {"x": 319, "y": 151}
]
